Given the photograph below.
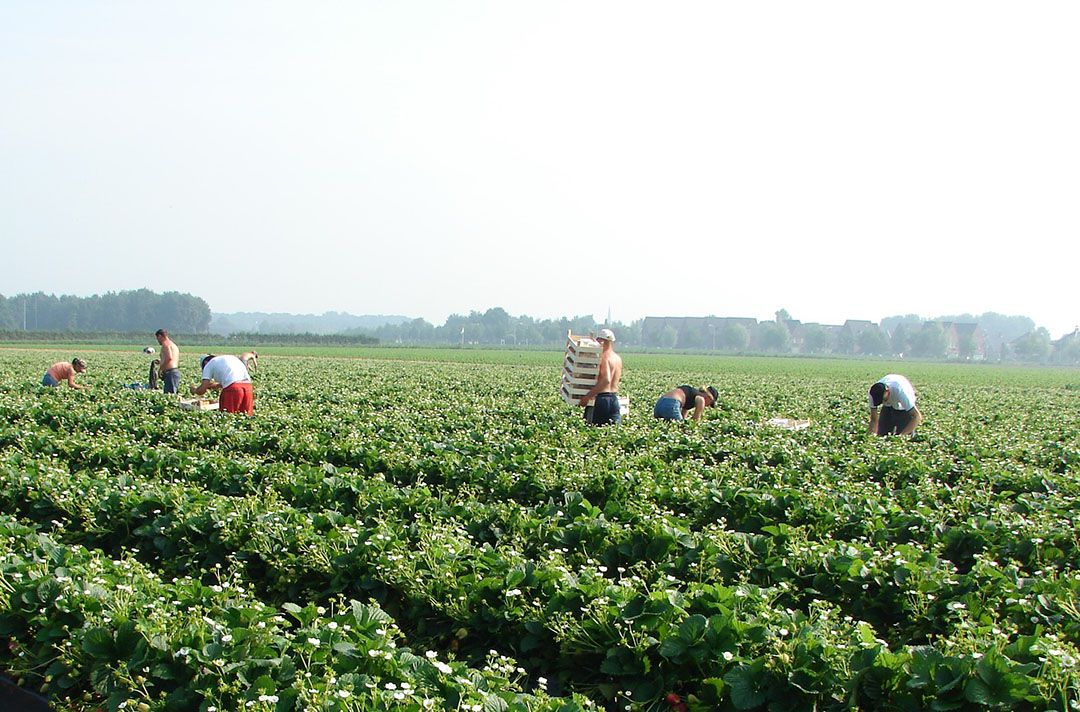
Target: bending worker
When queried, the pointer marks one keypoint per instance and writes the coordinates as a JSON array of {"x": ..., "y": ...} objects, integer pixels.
[
  {"x": 230, "y": 375},
  {"x": 606, "y": 391},
  {"x": 895, "y": 396},
  {"x": 676, "y": 403},
  {"x": 64, "y": 371}
]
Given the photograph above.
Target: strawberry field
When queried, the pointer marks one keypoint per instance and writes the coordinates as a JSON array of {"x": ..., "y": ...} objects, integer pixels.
[{"x": 442, "y": 532}]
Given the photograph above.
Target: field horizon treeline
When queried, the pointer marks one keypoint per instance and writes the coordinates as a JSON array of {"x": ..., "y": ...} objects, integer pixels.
[{"x": 966, "y": 337}]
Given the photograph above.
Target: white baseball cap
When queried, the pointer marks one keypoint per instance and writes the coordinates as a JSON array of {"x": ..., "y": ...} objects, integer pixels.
[{"x": 606, "y": 335}]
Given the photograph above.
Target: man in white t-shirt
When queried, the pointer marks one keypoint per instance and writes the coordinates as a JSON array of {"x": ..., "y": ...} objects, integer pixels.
[
  {"x": 230, "y": 375},
  {"x": 895, "y": 396}
]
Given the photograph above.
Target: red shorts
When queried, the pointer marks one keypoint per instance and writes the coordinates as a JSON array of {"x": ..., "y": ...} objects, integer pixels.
[{"x": 237, "y": 398}]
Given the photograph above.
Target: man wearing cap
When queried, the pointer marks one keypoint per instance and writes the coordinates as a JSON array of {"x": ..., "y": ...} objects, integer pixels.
[
  {"x": 606, "y": 391},
  {"x": 169, "y": 368},
  {"x": 676, "y": 403},
  {"x": 64, "y": 371},
  {"x": 230, "y": 375},
  {"x": 896, "y": 398}
]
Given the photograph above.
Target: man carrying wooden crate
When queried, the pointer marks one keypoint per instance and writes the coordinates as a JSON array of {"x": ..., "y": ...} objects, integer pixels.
[{"x": 606, "y": 391}]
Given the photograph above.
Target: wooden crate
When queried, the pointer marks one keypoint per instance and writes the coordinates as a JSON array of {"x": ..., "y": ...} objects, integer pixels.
[
  {"x": 572, "y": 395},
  {"x": 788, "y": 423},
  {"x": 198, "y": 404}
]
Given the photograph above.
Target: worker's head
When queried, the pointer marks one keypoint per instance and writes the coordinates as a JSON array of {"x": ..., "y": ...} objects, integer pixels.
[
  {"x": 162, "y": 335},
  {"x": 877, "y": 394},
  {"x": 205, "y": 360},
  {"x": 78, "y": 364},
  {"x": 714, "y": 395},
  {"x": 606, "y": 335}
]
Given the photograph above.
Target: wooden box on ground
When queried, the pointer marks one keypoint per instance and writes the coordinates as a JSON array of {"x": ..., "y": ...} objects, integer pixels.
[
  {"x": 198, "y": 404},
  {"x": 788, "y": 423}
]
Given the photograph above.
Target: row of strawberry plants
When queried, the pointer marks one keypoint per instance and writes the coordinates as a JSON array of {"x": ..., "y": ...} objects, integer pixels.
[
  {"x": 531, "y": 583},
  {"x": 85, "y": 627}
]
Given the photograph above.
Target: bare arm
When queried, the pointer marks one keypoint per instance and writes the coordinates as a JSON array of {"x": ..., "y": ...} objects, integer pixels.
[
  {"x": 206, "y": 385},
  {"x": 603, "y": 380},
  {"x": 916, "y": 420},
  {"x": 699, "y": 407},
  {"x": 71, "y": 382},
  {"x": 871, "y": 428}
]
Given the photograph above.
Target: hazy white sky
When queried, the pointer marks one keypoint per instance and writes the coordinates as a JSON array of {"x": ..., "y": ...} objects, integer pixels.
[{"x": 837, "y": 159}]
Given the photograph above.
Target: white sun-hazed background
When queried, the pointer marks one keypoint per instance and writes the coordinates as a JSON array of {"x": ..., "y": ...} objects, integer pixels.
[{"x": 838, "y": 160}]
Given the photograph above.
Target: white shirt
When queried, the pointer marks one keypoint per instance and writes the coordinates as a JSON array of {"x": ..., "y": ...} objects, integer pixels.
[
  {"x": 901, "y": 395},
  {"x": 226, "y": 370}
]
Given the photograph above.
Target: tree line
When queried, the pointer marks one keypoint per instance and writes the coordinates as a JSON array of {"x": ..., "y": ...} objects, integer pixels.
[
  {"x": 137, "y": 310},
  {"x": 989, "y": 336},
  {"x": 985, "y": 337}
]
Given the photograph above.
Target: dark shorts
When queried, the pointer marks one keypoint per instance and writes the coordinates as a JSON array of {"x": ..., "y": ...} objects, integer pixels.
[
  {"x": 892, "y": 421},
  {"x": 605, "y": 410},
  {"x": 170, "y": 380}
]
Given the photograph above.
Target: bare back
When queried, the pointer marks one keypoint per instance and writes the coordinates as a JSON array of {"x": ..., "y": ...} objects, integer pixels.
[
  {"x": 610, "y": 370},
  {"x": 170, "y": 355}
]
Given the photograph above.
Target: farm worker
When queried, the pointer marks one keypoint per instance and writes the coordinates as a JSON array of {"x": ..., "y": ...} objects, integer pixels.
[
  {"x": 230, "y": 375},
  {"x": 606, "y": 391},
  {"x": 895, "y": 396},
  {"x": 676, "y": 403},
  {"x": 250, "y": 359},
  {"x": 64, "y": 371},
  {"x": 169, "y": 368}
]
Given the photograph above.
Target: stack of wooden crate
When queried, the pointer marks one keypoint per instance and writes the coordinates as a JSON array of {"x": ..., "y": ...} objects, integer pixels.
[{"x": 580, "y": 370}]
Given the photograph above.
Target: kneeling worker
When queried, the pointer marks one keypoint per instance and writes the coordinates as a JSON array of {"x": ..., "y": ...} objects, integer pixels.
[
  {"x": 676, "y": 403},
  {"x": 230, "y": 375},
  {"x": 895, "y": 396}
]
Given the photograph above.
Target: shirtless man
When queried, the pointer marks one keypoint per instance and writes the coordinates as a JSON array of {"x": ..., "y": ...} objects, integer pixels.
[
  {"x": 64, "y": 371},
  {"x": 606, "y": 407},
  {"x": 169, "y": 368}
]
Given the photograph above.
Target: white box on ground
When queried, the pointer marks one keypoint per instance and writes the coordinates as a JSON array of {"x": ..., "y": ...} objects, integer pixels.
[{"x": 198, "y": 404}]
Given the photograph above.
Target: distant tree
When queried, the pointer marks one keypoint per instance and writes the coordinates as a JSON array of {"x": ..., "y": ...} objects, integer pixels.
[
  {"x": 966, "y": 345},
  {"x": 496, "y": 324},
  {"x": 845, "y": 341},
  {"x": 872, "y": 341},
  {"x": 1034, "y": 346},
  {"x": 129, "y": 311},
  {"x": 7, "y": 315},
  {"x": 773, "y": 336},
  {"x": 900, "y": 339},
  {"x": 668, "y": 337},
  {"x": 733, "y": 337},
  {"x": 913, "y": 322},
  {"x": 693, "y": 337},
  {"x": 930, "y": 341},
  {"x": 816, "y": 339},
  {"x": 782, "y": 316}
]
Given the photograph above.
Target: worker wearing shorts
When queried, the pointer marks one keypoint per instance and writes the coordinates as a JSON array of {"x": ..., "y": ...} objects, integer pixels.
[{"x": 606, "y": 410}]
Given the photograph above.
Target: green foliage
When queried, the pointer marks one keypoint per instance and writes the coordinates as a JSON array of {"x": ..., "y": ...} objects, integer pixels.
[{"x": 398, "y": 527}]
